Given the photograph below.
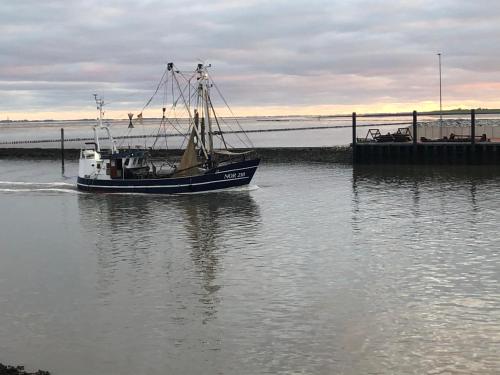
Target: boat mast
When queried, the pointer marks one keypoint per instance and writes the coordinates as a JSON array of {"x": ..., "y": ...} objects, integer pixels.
[
  {"x": 170, "y": 67},
  {"x": 100, "y": 104},
  {"x": 205, "y": 95}
]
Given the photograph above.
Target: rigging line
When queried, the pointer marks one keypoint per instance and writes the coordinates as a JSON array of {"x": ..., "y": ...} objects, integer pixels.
[
  {"x": 177, "y": 123},
  {"x": 188, "y": 85},
  {"x": 189, "y": 113},
  {"x": 141, "y": 121},
  {"x": 165, "y": 136},
  {"x": 157, "y": 88},
  {"x": 240, "y": 131},
  {"x": 190, "y": 78},
  {"x": 230, "y": 110},
  {"x": 217, "y": 122},
  {"x": 169, "y": 121},
  {"x": 225, "y": 142},
  {"x": 193, "y": 95},
  {"x": 123, "y": 139},
  {"x": 172, "y": 111},
  {"x": 158, "y": 133},
  {"x": 186, "y": 135},
  {"x": 165, "y": 96},
  {"x": 172, "y": 88},
  {"x": 235, "y": 132}
]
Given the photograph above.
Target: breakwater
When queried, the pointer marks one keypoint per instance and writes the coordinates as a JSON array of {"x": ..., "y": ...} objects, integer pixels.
[{"x": 334, "y": 154}]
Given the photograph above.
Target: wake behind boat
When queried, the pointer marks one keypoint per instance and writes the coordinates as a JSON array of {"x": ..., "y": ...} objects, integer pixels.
[{"x": 201, "y": 168}]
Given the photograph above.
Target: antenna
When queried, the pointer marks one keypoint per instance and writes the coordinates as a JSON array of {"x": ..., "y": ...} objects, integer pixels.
[{"x": 100, "y": 103}]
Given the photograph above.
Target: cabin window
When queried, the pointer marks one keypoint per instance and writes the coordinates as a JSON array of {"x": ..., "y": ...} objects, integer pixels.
[
  {"x": 139, "y": 161},
  {"x": 98, "y": 165},
  {"x": 127, "y": 161}
]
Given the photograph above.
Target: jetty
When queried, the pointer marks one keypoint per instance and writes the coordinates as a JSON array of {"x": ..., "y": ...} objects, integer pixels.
[{"x": 414, "y": 145}]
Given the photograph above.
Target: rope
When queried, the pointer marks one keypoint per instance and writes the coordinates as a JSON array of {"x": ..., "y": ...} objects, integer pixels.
[{"x": 230, "y": 110}]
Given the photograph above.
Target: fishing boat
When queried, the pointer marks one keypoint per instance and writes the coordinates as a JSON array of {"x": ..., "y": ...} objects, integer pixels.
[{"x": 202, "y": 167}]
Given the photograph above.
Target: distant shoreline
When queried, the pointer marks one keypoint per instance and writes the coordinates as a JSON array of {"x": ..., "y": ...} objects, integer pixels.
[{"x": 449, "y": 112}]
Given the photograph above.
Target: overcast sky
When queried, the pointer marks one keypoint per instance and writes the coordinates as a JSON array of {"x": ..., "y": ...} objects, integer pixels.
[{"x": 268, "y": 57}]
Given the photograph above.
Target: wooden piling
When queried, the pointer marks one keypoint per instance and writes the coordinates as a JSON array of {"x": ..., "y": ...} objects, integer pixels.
[
  {"x": 415, "y": 135},
  {"x": 354, "y": 137},
  {"x": 62, "y": 150},
  {"x": 473, "y": 126}
]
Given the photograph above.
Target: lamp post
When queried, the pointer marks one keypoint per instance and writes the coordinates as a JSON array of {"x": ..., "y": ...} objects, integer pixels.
[{"x": 440, "y": 100}]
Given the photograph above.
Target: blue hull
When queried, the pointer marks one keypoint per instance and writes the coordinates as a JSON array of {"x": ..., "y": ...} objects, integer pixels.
[{"x": 227, "y": 176}]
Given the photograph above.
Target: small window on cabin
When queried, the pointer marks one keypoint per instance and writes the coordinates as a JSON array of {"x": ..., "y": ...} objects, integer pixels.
[
  {"x": 98, "y": 165},
  {"x": 139, "y": 161},
  {"x": 127, "y": 161}
]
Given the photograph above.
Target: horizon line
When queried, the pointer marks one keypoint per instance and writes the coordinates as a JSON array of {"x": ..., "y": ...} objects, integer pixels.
[{"x": 453, "y": 111}]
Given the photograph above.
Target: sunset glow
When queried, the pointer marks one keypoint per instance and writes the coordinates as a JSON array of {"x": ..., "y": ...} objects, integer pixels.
[{"x": 269, "y": 58}]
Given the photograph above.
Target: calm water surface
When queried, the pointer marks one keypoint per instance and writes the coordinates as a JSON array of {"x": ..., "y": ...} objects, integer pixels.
[
  {"x": 316, "y": 269},
  {"x": 325, "y": 132}
]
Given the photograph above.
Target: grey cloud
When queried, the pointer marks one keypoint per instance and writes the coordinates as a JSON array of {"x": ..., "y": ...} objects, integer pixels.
[{"x": 264, "y": 52}]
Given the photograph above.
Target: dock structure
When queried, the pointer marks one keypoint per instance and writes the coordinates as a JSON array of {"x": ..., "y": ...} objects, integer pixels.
[
  {"x": 427, "y": 153},
  {"x": 405, "y": 147}
]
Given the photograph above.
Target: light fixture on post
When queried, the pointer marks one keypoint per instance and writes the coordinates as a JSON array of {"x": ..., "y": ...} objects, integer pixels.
[{"x": 440, "y": 100}]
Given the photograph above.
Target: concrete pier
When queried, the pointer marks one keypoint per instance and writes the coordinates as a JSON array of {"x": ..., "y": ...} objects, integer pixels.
[
  {"x": 452, "y": 149},
  {"x": 428, "y": 153}
]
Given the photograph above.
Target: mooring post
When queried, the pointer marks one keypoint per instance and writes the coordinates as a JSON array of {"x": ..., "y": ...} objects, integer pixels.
[
  {"x": 62, "y": 150},
  {"x": 473, "y": 126},
  {"x": 354, "y": 137},
  {"x": 415, "y": 135}
]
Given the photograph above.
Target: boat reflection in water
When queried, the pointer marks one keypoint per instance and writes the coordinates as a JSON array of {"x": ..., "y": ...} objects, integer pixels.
[{"x": 172, "y": 247}]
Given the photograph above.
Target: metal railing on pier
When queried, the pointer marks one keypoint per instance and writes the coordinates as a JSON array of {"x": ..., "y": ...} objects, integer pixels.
[{"x": 410, "y": 146}]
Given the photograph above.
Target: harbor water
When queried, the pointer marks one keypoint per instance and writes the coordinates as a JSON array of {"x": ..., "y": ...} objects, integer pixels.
[{"x": 313, "y": 269}]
